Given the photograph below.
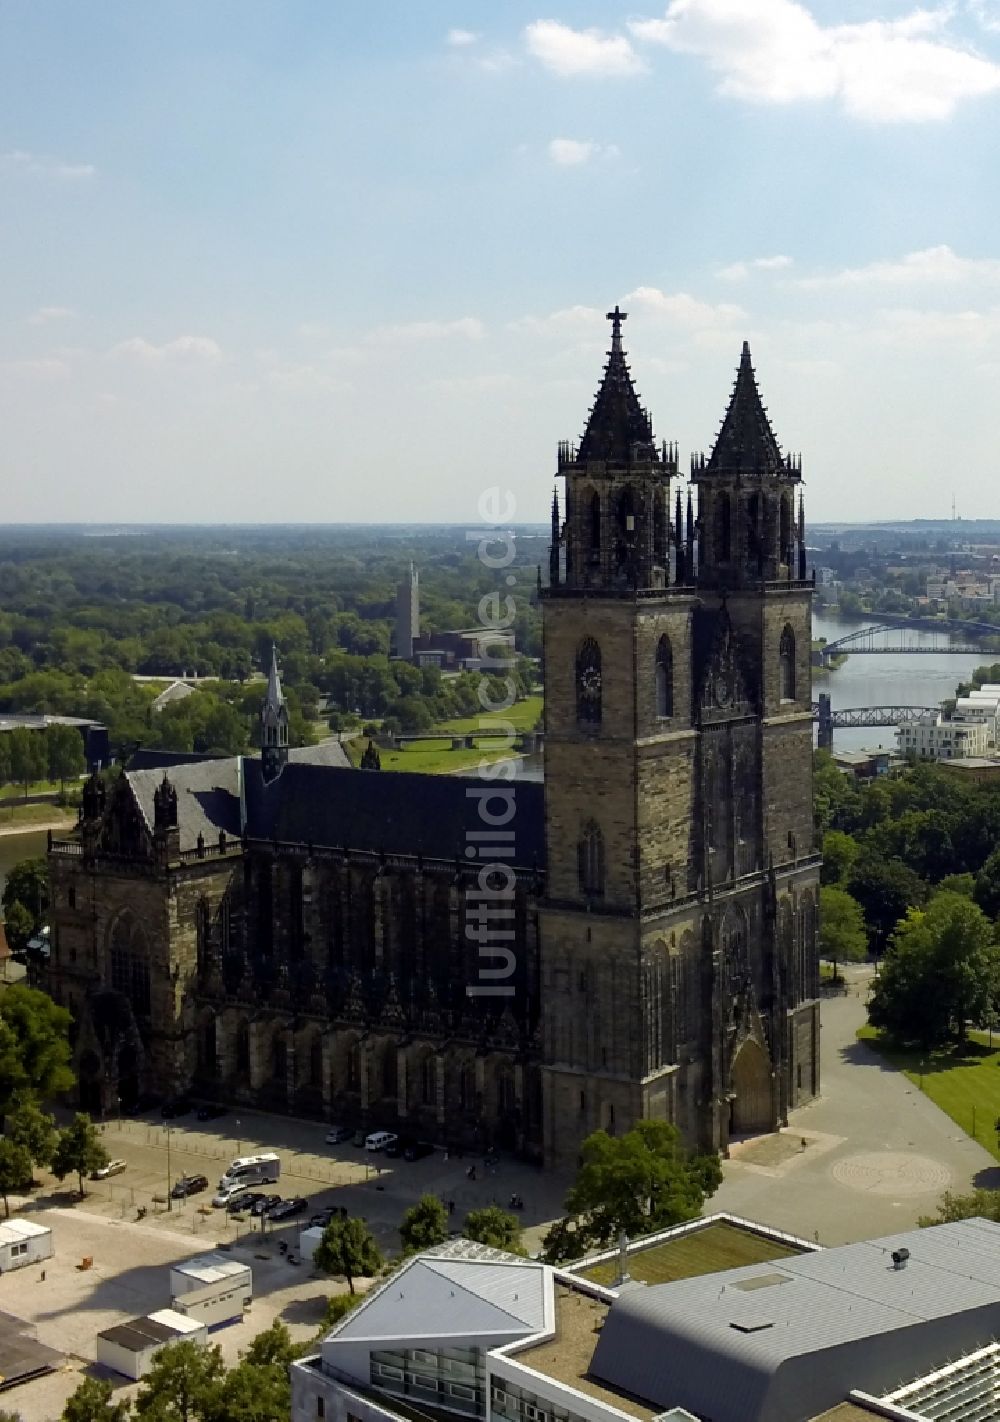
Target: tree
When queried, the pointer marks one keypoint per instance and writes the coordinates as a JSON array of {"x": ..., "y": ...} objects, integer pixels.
[
  {"x": 64, "y": 748},
  {"x": 27, "y": 887},
  {"x": 338, "y": 1306},
  {"x": 35, "y": 1053},
  {"x": 78, "y": 1150},
  {"x": 941, "y": 972},
  {"x": 259, "y": 1388},
  {"x": 987, "y": 890},
  {"x": 34, "y": 1129},
  {"x": 424, "y": 1225},
  {"x": 885, "y": 889},
  {"x": 840, "y": 851},
  {"x": 91, "y": 1402},
  {"x": 984, "y": 1204},
  {"x": 496, "y": 1227},
  {"x": 348, "y": 1248},
  {"x": 642, "y": 1181},
  {"x": 15, "y": 1170},
  {"x": 28, "y": 756},
  {"x": 183, "y": 1385},
  {"x": 842, "y": 936},
  {"x": 19, "y": 927}
]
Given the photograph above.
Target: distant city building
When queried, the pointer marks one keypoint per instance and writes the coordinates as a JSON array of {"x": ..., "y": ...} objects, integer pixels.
[
  {"x": 936, "y": 737},
  {"x": 94, "y": 734},
  {"x": 901, "y": 1327},
  {"x": 176, "y": 691},
  {"x": 466, "y": 649},
  {"x": 407, "y": 614}
]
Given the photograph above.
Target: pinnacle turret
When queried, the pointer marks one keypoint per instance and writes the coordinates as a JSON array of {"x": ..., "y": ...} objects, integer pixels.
[
  {"x": 746, "y": 442},
  {"x": 617, "y": 422}
]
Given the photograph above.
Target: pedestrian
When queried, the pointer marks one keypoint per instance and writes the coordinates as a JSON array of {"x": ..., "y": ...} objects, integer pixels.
[{"x": 451, "y": 1211}]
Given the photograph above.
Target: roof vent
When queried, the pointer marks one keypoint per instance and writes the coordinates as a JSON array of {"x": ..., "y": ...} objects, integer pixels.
[
  {"x": 899, "y": 1258},
  {"x": 752, "y": 1325}
]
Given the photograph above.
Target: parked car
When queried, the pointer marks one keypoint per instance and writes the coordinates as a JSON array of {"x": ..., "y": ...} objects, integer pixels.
[
  {"x": 263, "y": 1203},
  {"x": 322, "y": 1218},
  {"x": 286, "y": 1209},
  {"x": 359, "y": 1138},
  {"x": 379, "y": 1140},
  {"x": 336, "y": 1135},
  {"x": 189, "y": 1185},
  {"x": 396, "y": 1148},
  {"x": 226, "y": 1193},
  {"x": 210, "y": 1113},
  {"x": 243, "y": 1200},
  {"x": 113, "y": 1167},
  {"x": 180, "y": 1106},
  {"x": 417, "y": 1150}
]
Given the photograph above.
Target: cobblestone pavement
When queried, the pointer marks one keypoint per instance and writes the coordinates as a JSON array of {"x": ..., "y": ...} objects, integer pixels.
[{"x": 868, "y": 1158}]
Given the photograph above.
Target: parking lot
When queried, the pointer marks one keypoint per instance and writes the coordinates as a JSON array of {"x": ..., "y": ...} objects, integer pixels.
[{"x": 69, "y": 1305}]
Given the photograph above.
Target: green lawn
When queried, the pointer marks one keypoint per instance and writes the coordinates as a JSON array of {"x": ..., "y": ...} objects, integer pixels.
[
  {"x": 718, "y": 1246},
  {"x": 13, "y": 815},
  {"x": 523, "y": 716},
  {"x": 963, "y": 1081},
  {"x": 36, "y": 787}
]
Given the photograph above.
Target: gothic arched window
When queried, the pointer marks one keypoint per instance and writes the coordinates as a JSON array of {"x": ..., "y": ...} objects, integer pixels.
[
  {"x": 590, "y": 859},
  {"x": 785, "y": 514},
  {"x": 588, "y": 683},
  {"x": 664, "y": 678},
  {"x": 786, "y": 664},
  {"x": 354, "y": 1067},
  {"x": 467, "y": 1086},
  {"x": 316, "y": 1061},
  {"x": 506, "y": 1096},
  {"x": 243, "y": 1049},
  {"x": 428, "y": 1081},
  {"x": 595, "y": 523},
  {"x": 723, "y": 528},
  {"x": 130, "y": 963}
]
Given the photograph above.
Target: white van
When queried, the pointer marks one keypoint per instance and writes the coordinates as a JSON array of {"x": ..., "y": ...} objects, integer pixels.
[
  {"x": 378, "y": 1140},
  {"x": 261, "y": 1169}
]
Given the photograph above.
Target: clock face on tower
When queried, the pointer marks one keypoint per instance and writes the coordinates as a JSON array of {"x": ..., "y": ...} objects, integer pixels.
[{"x": 590, "y": 683}]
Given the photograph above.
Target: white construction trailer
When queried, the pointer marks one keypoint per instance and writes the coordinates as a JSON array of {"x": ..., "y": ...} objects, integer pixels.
[
  {"x": 212, "y": 1289},
  {"x": 130, "y": 1348},
  {"x": 23, "y": 1242},
  {"x": 309, "y": 1242}
]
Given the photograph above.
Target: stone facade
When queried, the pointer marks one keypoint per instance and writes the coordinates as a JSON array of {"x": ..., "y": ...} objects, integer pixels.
[{"x": 301, "y": 936}]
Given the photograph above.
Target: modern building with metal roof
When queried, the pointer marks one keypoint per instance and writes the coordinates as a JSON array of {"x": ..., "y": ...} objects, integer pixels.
[{"x": 906, "y": 1327}]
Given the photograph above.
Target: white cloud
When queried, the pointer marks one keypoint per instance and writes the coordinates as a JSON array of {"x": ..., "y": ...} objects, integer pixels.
[
  {"x": 739, "y": 271},
  {"x": 933, "y": 265},
  {"x": 45, "y": 314},
  {"x": 568, "y": 52},
  {"x": 44, "y": 369},
  {"x": 776, "y": 52},
  {"x": 181, "y": 350},
  {"x": 684, "y": 310},
  {"x": 411, "y": 332},
  {"x": 460, "y": 39},
  {"x": 986, "y": 13},
  {"x": 39, "y": 165},
  {"x": 575, "y": 152},
  {"x": 568, "y": 320}
]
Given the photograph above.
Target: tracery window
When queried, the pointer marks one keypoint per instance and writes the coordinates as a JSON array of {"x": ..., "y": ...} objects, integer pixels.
[
  {"x": 786, "y": 664},
  {"x": 664, "y": 678},
  {"x": 130, "y": 964},
  {"x": 590, "y": 861},
  {"x": 589, "y": 689}
]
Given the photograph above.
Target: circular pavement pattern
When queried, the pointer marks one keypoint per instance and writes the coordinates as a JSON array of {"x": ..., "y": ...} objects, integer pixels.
[{"x": 891, "y": 1172}]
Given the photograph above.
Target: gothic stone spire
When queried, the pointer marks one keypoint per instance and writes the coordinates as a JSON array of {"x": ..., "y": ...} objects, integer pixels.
[
  {"x": 617, "y": 421},
  {"x": 746, "y": 443}
]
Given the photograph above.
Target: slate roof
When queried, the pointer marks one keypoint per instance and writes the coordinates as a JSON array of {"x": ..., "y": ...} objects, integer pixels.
[
  {"x": 382, "y": 812},
  {"x": 208, "y": 797},
  {"x": 737, "y": 1344},
  {"x": 617, "y": 420},
  {"x": 746, "y": 441}
]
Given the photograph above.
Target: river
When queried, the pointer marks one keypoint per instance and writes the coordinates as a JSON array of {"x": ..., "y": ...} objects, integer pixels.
[{"x": 879, "y": 680}]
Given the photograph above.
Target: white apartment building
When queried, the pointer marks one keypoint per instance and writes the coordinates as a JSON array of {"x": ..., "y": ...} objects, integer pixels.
[{"x": 935, "y": 738}]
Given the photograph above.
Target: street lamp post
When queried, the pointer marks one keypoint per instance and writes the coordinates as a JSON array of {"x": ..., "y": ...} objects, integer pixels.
[
  {"x": 169, "y": 1182},
  {"x": 239, "y": 1140}
]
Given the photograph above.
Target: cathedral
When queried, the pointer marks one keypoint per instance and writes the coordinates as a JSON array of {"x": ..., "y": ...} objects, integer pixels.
[{"x": 290, "y": 933}]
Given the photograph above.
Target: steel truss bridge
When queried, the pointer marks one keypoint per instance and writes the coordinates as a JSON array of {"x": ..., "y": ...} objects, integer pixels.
[
  {"x": 909, "y": 641},
  {"x": 854, "y": 716}
]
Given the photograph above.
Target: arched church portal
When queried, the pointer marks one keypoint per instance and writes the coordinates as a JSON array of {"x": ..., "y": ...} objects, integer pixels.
[{"x": 753, "y": 1110}]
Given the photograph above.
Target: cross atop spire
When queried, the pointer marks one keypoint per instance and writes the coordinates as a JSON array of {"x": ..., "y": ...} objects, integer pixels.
[{"x": 616, "y": 317}]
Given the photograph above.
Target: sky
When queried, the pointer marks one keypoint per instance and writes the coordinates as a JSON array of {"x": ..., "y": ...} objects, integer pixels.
[{"x": 324, "y": 261}]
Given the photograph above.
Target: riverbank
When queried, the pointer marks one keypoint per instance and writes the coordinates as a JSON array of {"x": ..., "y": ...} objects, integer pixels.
[{"x": 18, "y": 825}]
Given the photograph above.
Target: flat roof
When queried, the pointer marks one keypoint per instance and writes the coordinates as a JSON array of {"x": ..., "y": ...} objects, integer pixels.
[
  {"x": 139, "y": 1333},
  {"x": 210, "y": 1268},
  {"x": 16, "y": 1231}
]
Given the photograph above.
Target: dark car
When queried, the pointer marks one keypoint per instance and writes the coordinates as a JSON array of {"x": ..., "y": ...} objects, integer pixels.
[
  {"x": 397, "y": 1148},
  {"x": 359, "y": 1138},
  {"x": 210, "y": 1113},
  {"x": 180, "y": 1106},
  {"x": 322, "y": 1218},
  {"x": 264, "y": 1203},
  {"x": 416, "y": 1150},
  {"x": 336, "y": 1135},
  {"x": 244, "y": 1200},
  {"x": 189, "y": 1185},
  {"x": 287, "y": 1208}
]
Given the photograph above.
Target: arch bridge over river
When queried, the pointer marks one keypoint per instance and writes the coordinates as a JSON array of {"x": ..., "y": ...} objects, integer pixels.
[{"x": 925, "y": 637}]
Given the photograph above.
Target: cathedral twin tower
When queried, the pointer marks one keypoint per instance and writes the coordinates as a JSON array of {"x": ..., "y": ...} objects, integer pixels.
[{"x": 678, "y": 926}]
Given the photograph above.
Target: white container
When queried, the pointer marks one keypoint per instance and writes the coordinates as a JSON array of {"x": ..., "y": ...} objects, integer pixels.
[
  {"x": 23, "y": 1242},
  {"x": 130, "y": 1348},
  {"x": 211, "y": 1289},
  {"x": 309, "y": 1242}
]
